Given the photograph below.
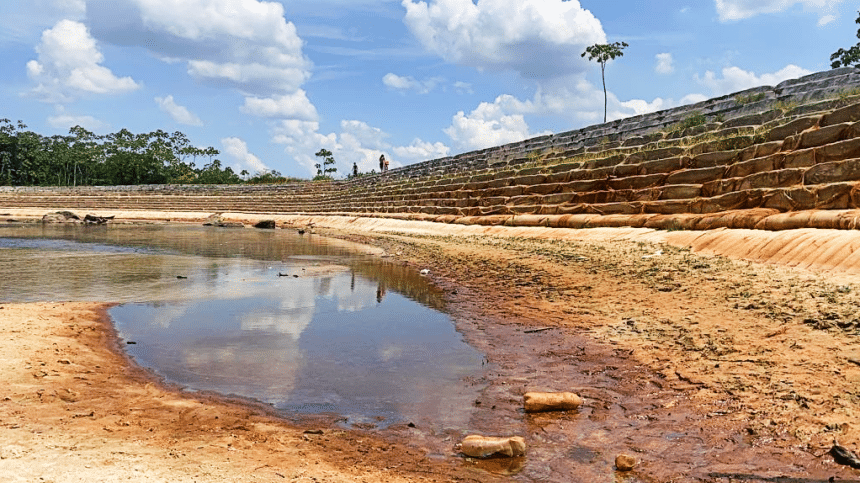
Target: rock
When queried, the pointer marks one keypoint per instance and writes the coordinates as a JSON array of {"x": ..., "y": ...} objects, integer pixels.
[
  {"x": 478, "y": 446},
  {"x": 625, "y": 462},
  {"x": 534, "y": 402},
  {"x": 265, "y": 224},
  {"x": 216, "y": 220},
  {"x": 61, "y": 217},
  {"x": 97, "y": 220},
  {"x": 844, "y": 456},
  {"x": 213, "y": 220}
]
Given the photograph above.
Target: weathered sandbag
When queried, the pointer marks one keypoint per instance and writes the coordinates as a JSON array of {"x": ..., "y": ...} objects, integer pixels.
[
  {"x": 784, "y": 221},
  {"x": 478, "y": 446},
  {"x": 527, "y": 220},
  {"x": 535, "y": 402},
  {"x": 734, "y": 219}
]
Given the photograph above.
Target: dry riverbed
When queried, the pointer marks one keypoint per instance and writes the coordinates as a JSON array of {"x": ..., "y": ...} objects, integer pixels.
[{"x": 702, "y": 367}]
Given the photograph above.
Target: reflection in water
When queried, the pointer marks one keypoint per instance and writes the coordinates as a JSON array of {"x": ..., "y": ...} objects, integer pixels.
[{"x": 304, "y": 323}]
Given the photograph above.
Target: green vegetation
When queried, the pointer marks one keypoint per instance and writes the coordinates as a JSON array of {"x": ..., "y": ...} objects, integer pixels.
[
  {"x": 749, "y": 99},
  {"x": 695, "y": 118},
  {"x": 327, "y": 168},
  {"x": 121, "y": 158},
  {"x": 604, "y": 53},
  {"x": 845, "y": 58},
  {"x": 785, "y": 106},
  {"x": 270, "y": 177}
]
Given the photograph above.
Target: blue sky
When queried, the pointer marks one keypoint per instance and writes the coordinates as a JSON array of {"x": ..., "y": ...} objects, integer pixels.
[{"x": 269, "y": 83}]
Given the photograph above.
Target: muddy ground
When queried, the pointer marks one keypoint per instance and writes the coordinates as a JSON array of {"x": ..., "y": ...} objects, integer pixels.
[{"x": 702, "y": 367}]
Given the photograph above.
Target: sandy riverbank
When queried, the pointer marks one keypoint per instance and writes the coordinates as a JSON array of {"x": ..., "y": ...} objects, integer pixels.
[{"x": 753, "y": 367}]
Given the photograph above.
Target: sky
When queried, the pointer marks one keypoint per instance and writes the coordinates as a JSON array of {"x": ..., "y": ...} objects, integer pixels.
[{"x": 270, "y": 83}]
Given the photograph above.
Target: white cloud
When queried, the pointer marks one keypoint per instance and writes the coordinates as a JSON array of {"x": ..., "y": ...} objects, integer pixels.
[
  {"x": 361, "y": 135},
  {"x": 463, "y": 87},
  {"x": 301, "y": 139},
  {"x": 246, "y": 45},
  {"x": 408, "y": 83},
  {"x": 693, "y": 99},
  {"x": 66, "y": 121},
  {"x": 421, "y": 151},
  {"x": 180, "y": 114},
  {"x": 665, "y": 63},
  {"x": 293, "y": 106},
  {"x": 237, "y": 150},
  {"x": 742, "y": 9},
  {"x": 490, "y": 124},
  {"x": 736, "y": 79},
  {"x": 250, "y": 76},
  {"x": 69, "y": 66},
  {"x": 536, "y": 38},
  {"x": 826, "y": 20},
  {"x": 639, "y": 106}
]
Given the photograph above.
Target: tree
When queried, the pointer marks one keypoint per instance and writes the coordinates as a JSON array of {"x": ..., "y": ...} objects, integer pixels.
[
  {"x": 844, "y": 58},
  {"x": 604, "y": 53},
  {"x": 327, "y": 168}
]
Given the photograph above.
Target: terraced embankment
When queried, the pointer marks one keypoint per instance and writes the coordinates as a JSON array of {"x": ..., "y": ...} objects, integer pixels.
[
  {"x": 768, "y": 158},
  {"x": 705, "y": 369}
]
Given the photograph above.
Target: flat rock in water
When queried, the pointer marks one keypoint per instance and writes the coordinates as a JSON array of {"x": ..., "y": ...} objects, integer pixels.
[
  {"x": 61, "y": 217},
  {"x": 265, "y": 224}
]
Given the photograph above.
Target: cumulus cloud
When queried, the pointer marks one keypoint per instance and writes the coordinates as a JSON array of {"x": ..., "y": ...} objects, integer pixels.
[
  {"x": 291, "y": 106},
  {"x": 245, "y": 45},
  {"x": 409, "y": 83},
  {"x": 826, "y": 20},
  {"x": 490, "y": 124},
  {"x": 237, "y": 150},
  {"x": 178, "y": 113},
  {"x": 535, "y": 38},
  {"x": 736, "y": 79},
  {"x": 741, "y": 9},
  {"x": 665, "y": 64},
  {"x": 63, "y": 120},
  {"x": 420, "y": 150},
  {"x": 69, "y": 66}
]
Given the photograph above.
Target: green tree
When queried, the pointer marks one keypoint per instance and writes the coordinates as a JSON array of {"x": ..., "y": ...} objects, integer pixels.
[
  {"x": 844, "y": 58},
  {"x": 604, "y": 53},
  {"x": 327, "y": 168}
]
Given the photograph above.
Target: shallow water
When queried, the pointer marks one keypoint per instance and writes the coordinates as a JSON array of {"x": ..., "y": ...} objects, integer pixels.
[{"x": 305, "y": 323}]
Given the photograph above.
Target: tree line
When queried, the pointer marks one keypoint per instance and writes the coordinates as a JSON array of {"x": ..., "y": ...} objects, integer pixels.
[{"x": 121, "y": 158}]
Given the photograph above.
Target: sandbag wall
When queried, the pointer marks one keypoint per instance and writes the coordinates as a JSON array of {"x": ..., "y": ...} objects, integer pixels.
[{"x": 751, "y": 159}]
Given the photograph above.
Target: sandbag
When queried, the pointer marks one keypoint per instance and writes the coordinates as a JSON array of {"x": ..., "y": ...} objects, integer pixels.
[
  {"x": 478, "y": 446},
  {"x": 534, "y": 402}
]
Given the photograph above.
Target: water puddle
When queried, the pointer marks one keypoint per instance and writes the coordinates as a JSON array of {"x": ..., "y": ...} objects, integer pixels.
[{"x": 307, "y": 324}]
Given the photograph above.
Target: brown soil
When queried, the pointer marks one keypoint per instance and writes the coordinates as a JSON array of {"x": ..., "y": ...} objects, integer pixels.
[{"x": 703, "y": 368}]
